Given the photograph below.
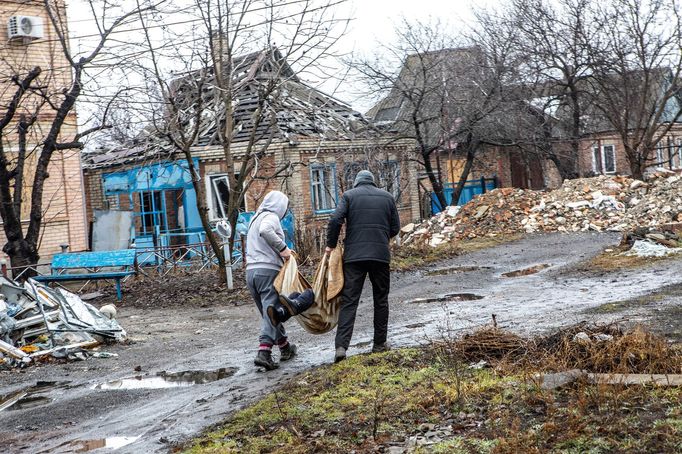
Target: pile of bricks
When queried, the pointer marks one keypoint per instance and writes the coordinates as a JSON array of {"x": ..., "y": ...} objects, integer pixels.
[{"x": 586, "y": 204}]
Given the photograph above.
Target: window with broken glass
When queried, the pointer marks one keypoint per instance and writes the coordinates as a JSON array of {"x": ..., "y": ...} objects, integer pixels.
[
  {"x": 219, "y": 196},
  {"x": 386, "y": 172},
  {"x": 218, "y": 191},
  {"x": 323, "y": 187}
]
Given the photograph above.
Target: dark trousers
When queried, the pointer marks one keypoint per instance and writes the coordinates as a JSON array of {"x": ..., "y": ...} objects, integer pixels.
[{"x": 354, "y": 275}]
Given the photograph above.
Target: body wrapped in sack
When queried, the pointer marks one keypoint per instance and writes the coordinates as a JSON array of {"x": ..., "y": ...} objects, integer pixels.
[{"x": 322, "y": 316}]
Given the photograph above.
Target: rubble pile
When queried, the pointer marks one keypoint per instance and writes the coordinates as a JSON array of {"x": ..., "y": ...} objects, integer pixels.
[
  {"x": 38, "y": 322},
  {"x": 598, "y": 204}
]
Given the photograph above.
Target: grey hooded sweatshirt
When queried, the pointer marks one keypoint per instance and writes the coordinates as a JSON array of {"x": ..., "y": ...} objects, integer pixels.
[{"x": 265, "y": 239}]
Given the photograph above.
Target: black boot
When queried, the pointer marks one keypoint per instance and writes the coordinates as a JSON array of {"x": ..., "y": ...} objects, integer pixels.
[
  {"x": 297, "y": 303},
  {"x": 264, "y": 360},
  {"x": 287, "y": 352},
  {"x": 278, "y": 314}
]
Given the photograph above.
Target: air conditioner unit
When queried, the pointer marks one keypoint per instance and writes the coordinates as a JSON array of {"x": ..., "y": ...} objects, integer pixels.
[{"x": 27, "y": 27}]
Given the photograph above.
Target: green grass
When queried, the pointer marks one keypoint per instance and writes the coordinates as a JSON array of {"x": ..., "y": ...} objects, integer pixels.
[{"x": 370, "y": 401}]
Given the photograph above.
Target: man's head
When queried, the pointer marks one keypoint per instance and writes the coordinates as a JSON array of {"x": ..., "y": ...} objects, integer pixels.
[{"x": 364, "y": 177}]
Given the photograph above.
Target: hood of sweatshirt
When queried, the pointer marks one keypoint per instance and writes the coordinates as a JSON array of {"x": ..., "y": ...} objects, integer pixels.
[{"x": 276, "y": 202}]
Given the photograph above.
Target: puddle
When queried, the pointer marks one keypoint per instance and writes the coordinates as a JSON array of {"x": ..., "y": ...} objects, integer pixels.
[
  {"x": 456, "y": 269},
  {"x": 448, "y": 297},
  {"x": 168, "y": 379},
  {"x": 30, "y": 397},
  {"x": 527, "y": 271},
  {"x": 91, "y": 445}
]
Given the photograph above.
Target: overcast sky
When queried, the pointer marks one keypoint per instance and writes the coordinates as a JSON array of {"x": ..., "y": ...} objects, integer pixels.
[{"x": 373, "y": 21}]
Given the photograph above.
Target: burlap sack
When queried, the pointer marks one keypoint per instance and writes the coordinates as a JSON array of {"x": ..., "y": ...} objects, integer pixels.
[{"x": 327, "y": 285}]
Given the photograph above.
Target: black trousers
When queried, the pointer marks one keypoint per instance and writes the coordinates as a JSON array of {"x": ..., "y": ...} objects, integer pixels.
[{"x": 354, "y": 275}]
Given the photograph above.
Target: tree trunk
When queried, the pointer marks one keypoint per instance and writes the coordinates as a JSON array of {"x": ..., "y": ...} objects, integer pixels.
[
  {"x": 471, "y": 153},
  {"x": 435, "y": 181},
  {"x": 22, "y": 255},
  {"x": 202, "y": 208}
]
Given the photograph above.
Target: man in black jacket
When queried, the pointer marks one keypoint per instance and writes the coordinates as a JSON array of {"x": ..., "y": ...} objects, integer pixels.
[{"x": 371, "y": 221}]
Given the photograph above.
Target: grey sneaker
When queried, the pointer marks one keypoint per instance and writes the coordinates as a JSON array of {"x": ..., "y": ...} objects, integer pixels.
[
  {"x": 340, "y": 354},
  {"x": 380, "y": 348}
]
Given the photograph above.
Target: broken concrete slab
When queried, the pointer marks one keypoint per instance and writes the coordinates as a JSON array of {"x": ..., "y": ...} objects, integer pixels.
[{"x": 637, "y": 379}]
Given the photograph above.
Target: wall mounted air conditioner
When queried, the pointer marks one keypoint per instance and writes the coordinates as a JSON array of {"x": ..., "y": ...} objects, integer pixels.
[{"x": 26, "y": 27}]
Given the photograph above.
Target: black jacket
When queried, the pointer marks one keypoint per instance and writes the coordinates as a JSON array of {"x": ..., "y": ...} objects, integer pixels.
[{"x": 371, "y": 221}]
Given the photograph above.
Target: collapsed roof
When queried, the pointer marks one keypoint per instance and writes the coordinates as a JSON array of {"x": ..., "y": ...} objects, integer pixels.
[{"x": 292, "y": 111}]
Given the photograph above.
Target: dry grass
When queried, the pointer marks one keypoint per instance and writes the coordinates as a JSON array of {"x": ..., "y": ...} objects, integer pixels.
[
  {"x": 413, "y": 256},
  {"x": 370, "y": 402},
  {"x": 614, "y": 260},
  {"x": 634, "y": 351}
]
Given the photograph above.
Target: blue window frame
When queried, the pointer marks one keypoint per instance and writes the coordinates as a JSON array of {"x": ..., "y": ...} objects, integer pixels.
[
  {"x": 152, "y": 214},
  {"x": 323, "y": 187}
]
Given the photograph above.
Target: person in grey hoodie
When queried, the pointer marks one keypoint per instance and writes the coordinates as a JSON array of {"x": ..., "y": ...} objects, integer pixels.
[{"x": 266, "y": 252}]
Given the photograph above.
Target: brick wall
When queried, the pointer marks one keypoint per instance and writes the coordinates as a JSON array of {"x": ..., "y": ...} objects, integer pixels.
[{"x": 63, "y": 200}]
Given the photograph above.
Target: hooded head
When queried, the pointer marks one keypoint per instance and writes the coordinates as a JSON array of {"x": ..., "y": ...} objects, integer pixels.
[
  {"x": 364, "y": 177},
  {"x": 276, "y": 202}
]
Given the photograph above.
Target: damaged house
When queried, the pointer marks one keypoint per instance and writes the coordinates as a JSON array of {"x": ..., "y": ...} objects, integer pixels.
[
  {"x": 310, "y": 147},
  {"x": 454, "y": 104}
]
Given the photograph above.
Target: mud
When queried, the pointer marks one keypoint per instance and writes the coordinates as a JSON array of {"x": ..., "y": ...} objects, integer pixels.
[
  {"x": 217, "y": 334},
  {"x": 455, "y": 270},
  {"x": 167, "y": 380},
  {"x": 527, "y": 271},
  {"x": 448, "y": 297}
]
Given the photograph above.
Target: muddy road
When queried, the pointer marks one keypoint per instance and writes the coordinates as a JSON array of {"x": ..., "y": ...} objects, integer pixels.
[{"x": 189, "y": 367}]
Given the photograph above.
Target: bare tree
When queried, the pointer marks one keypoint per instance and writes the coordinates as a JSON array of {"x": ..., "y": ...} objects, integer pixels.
[
  {"x": 234, "y": 85},
  {"x": 450, "y": 96},
  {"x": 37, "y": 120},
  {"x": 637, "y": 74},
  {"x": 551, "y": 42}
]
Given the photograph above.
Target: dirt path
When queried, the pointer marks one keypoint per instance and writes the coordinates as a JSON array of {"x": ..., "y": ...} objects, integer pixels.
[{"x": 63, "y": 415}]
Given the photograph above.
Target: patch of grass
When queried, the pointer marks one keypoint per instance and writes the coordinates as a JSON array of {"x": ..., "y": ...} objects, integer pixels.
[
  {"x": 614, "y": 260},
  {"x": 369, "y": 402},
  {"x": 413, "y": 256},
  {"x": 624, "y": 305}
]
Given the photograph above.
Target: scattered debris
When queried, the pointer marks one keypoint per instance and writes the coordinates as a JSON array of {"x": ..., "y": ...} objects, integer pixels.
[
  {"x": 602, "y": 203},
  {"x": 559, "y": 379},
  {"x": 646, "y": 248},
  {"x": 37, "y": 321}
]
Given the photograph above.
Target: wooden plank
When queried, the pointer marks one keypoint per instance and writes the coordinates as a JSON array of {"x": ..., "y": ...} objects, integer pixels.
[
  {"x": 65, "y": 347},
  {"x": 637, "y": 379},
  {"x": 12, "y": 350}
]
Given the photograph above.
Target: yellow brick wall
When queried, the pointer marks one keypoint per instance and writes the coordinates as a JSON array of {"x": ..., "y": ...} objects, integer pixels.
[{"x": 63, "y": 200}]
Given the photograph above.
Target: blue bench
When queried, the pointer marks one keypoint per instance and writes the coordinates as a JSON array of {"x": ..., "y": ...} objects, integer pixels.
[{"x": 114, "y": 265}]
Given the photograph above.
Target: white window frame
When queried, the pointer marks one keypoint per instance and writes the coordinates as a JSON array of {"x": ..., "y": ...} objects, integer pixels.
[
  {"x": 328, "y": 188},
  {"x": 602, "y": 154},
  {"x": 679, "y": 154},
  {"x": 213, "y": 211}
]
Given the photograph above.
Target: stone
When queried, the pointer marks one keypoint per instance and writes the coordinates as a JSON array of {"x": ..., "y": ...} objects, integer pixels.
[
  {"x": 409, "y": 228},
  {"x": 582, "y": 338}
]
